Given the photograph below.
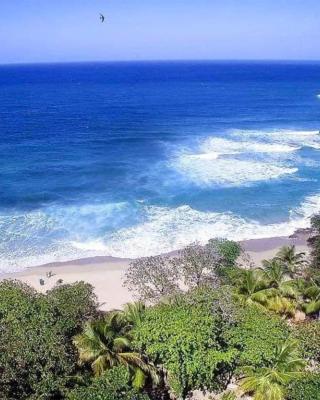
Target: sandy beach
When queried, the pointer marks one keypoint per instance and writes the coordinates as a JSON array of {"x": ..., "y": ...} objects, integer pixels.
[{"x": 106, "y": 274}]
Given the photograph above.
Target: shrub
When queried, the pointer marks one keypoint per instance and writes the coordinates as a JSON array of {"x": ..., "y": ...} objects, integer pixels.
[
  {"x": 227, "y": 250},
  {"x": 72, "y": 304},
  {"x": 314, "y": 241},
  {"x": 37, "y": 357},
  {"x": 228, "y": 258},
  {"x": 256, "y": 335},
  {"x": 185, "y": 338},
  {"x": 306, "y": 388},
  {"x": 113, "y": 385},
  {"x": 309, "y": 338}
]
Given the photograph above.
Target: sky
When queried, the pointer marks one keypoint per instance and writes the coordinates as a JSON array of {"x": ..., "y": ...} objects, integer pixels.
[{"x": 70, "y": 30}]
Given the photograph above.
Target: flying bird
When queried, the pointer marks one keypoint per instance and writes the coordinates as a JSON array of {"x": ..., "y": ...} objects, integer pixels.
[{"x": 101, "y": 17}]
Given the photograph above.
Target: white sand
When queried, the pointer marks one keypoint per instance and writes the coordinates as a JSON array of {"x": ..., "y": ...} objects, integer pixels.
[
  {"x": 106, "y": 274},
  {"x": 106, "y": 278}
]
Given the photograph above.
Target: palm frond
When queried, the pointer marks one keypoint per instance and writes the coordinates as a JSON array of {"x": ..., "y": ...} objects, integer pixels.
[{"x": 139, "y": 379}]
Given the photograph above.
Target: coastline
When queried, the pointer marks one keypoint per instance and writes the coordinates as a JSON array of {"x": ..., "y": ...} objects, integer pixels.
[{"x": 106, "y": 273}]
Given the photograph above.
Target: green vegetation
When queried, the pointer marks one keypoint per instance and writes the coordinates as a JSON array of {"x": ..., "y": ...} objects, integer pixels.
[
  {"x": 307, "y": 387},
  {"x": 115, "y": 384},
  {"x": 186, "y": 339},
  {"x": 269, "y": 382},
  {"x": 256, "y": 335},
  {"x": 203, "y": 323},
  {"x": 105, "y": 343},
  {"x": 37, "y": 358},
  {"x": 309, "y": 338}
]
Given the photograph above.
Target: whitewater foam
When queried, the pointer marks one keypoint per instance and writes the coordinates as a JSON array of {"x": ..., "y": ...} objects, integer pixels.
[
  {"x": 226, "y": 146},
  {"x": 227, "y": 162},
  {"x": 162, "y": 229},
  {"x": 283, "y": 137},
  {"x": 168, "y": 229},
  {"x": 227, "y": 172}
]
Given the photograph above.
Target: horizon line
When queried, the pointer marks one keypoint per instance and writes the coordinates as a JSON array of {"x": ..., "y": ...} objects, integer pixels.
[{"x": 182, "y": 60}]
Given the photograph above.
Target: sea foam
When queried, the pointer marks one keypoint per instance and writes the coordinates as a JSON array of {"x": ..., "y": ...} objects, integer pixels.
[
  {"x": 162, "y": 229},
  {"x": 299, "y": 138},
  {"x": 227, "y": 172},
  {"x": 226, "y": 146},
  {"x": 216, "y": 161},
  {"x": 168, "y": 229}
]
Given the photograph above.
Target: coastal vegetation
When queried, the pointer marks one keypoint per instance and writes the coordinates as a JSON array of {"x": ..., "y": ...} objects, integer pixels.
[{"x": 203, "y": 321}]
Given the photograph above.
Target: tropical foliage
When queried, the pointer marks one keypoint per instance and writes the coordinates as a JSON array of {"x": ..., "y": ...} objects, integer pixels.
[
  {"x": 106, "y": 343},
  {"x": 114, "y": 384},
  {"x": 307, "y": 387},
  {"x": 256, "y": 335},
  {"x": 308, "y": 335},
  {"x": 269, "y": 382},
  {"x": 185, "y": 338},
  {"x": 204, "y": 322},
  {"x": 37, "y": 358},
  {"x": 291, "y": 260}
]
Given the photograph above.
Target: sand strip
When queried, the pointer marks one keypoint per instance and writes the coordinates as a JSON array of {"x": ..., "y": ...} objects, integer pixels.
[{"x": 106, "y": 274}]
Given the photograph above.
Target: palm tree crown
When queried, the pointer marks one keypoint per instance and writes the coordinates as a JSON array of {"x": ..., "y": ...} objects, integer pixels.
[
  {"x": 106, "y": 343},
  {"x": 291, "y": 260},
  {"x": 268, "y": 383}
]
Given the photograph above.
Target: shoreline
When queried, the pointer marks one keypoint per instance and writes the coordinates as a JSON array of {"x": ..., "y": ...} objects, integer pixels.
[{"x": 105, "y": 273}]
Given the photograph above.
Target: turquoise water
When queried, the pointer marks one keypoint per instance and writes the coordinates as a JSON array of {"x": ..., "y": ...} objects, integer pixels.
[{"x": 133, "y": 159}]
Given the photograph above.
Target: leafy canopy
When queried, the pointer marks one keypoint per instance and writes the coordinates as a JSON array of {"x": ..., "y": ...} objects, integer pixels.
[
  {"x": 37, "y": 357},
  {"x": 185, "y": 337},
  {"x": 112, "y": 385}
]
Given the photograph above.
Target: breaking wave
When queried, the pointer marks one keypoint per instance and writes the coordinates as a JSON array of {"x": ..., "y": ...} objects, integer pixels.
[
  {"x": 299, "y": 138},
  {"x": 205, "y": 171},
  {"x": 161, "y": 229},
  {"x": 226, "y": 162}
]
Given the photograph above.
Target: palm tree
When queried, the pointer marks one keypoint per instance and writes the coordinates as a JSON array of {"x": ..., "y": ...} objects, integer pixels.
[
  {"x": 291, "y": 260},
  {"x": 268, "y": 383},
  {"x": 281, "y": 305},
  {"x": 274, "y": 272},
  {"x": 133, "y": 312},
  {"x": 253, "y": 287},
  {"x": 285, "y": 294},
  {"x": 105, "y": 343},
  {"x": 312, "y": 295},
  {"x": 268, "y": 289}
]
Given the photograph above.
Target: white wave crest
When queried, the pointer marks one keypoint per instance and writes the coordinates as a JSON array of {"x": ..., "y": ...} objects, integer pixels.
[
  {"x": 226, "y": 162},
  {"x": 283, "y": 137},
  {"x": 171, "y": 229},
  {"x": 163, "y": 229},
  {"x": 205, "y": 171},
  {"x": 225, "y": 146}
]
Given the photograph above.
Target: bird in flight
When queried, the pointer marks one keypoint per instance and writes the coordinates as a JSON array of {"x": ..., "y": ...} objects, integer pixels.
[{"x": 101, "y": 17}]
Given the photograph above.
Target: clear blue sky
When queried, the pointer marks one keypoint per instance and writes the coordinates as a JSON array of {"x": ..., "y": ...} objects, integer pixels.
[{"x": 69, "y": 30}]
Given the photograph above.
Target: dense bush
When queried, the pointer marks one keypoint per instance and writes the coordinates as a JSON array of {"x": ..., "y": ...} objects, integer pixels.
[
  {"x": 72, "y": 305},
  {"x": 306, "y": 388},
  {"x": 308, "y": 335},
  {"x": 314, "y": 242},
  {"x": 37, "y": 357},
  {"x": 256, "y": 335},
  {"x": 186, "y": 338},
  {"x": 113, "y": 385},
  {"x": 228, "y": 251}
]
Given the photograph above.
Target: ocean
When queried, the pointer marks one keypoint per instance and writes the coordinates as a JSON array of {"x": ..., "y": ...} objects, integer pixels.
[{"x": 138, "y": 158}]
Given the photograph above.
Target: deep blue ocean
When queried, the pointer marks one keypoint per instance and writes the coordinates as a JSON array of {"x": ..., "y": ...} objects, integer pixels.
[{"x": 134, "y": 159}]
